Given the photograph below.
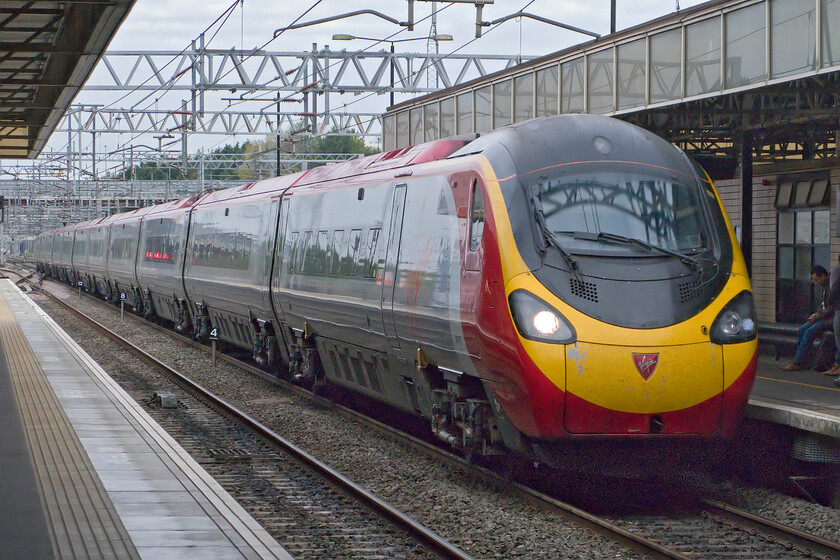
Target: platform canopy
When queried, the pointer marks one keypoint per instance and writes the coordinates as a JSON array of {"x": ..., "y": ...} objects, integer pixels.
[
  {"x": 47, "y": 52},
  {"x": 706, "y": 78}
]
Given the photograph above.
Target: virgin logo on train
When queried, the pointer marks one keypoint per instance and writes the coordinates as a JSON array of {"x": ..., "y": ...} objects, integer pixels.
[{"x": 646, "y": 364}]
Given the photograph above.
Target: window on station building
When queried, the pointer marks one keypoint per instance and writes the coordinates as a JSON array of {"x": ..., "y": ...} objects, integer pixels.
[
  {"x": 447, "y": 117},
  {"x": 745, "y": 46},
  {"x": 402, "y": 129},
  {"x": 830, "y": 23},
  {"x": 666, "y": 66},
  {"x": 483, "y": 122},
  {"x": 502, "y": 104},
  {"x": 389, "y": 133},
  {"x": 632, "y": 70},
  {"x": 572, "y": 80},
  {"x": 415, "y": 118},
  {"x": 600, "y": 84},
  {"x": 702, "y": 57},
  {"x": 523, "y": 97},
  {"x": 802, "y": 241},
  {"x": 548, "y": 91},
  {"x": 431, "y": 124},
  {"x": 465, "y": 112},
  {"x": 793, "y": 31}
]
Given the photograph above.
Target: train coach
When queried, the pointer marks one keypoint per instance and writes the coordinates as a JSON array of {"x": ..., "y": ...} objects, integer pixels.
[{"x": 559, "y": 283}]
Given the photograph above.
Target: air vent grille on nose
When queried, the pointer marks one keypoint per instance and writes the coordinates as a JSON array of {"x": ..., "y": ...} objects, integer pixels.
[
  {"x": 585, "y": 290},
  {"x": 690, "y": 290}
]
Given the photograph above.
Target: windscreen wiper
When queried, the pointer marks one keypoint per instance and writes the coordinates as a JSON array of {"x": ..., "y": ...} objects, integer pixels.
[
  {"x": 548, "y": 237},
  {"x": 614, "y": 237}
]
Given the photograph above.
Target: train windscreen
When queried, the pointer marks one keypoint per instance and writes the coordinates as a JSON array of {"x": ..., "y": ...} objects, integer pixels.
[{"x": 623, "y": 201}]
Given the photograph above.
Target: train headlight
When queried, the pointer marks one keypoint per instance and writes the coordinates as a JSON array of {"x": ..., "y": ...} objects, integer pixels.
[
  {"x": 537, "y": 320},
  {"x": 736, "y": 321}
]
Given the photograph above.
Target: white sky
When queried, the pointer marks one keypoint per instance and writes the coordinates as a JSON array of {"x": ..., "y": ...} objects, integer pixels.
[
  {"x": 164, "y": 24},
  {"x": 172, "y": 25}
]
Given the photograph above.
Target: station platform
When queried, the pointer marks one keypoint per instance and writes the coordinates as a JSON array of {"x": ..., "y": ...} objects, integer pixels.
[
  {"x": 805, "y": 400},
  {"x": 86, "y": 473}
]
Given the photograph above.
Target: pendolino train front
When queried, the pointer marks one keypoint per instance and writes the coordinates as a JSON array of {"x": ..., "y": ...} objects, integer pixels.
[
  {"x": 630, "y": 299},
  {"x": 564, "y": 284}
]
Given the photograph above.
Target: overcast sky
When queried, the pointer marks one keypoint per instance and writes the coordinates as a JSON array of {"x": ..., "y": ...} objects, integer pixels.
[{"x": 166, "y": 25}]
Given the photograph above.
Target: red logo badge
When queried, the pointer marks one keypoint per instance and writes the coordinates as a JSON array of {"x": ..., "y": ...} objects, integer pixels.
[{"x": 646, "y": 364}]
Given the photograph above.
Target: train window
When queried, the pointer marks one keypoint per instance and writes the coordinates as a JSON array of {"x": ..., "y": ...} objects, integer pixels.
[
  {"x": 348, "y": 267},
  {"x": 324, "y": 251},
  {"x": 305, "y": 245},
  {"x": 160, "y": 249},
  {"x": 223, "y": 250},
  {"x": 339, "y": 251},
  {"x": 292, "y": 251},
  {"x": 316, "y": 252},
  {"x": 476, "y": 217},
  {"x": 369, "y": 255}
]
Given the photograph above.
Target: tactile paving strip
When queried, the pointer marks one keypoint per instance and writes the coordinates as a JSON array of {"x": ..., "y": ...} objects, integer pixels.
[{"x": 81, "y": 517}]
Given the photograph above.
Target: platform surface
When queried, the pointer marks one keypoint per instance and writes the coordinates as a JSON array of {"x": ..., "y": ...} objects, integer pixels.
[
  {"x": 86, "y": 473},
  {"x": 806, "y": 400}
]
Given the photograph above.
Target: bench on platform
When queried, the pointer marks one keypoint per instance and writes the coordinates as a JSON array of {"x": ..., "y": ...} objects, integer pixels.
[{"x": 783, "y": 337}]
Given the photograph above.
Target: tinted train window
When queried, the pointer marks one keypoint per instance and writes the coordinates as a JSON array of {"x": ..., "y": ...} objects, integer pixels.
[
  {"x": 305, "y": 244},
  {"x": 123, "y": 248},
  {"x": 223, "y": 250},
  {"x": 161, "y": 249},
  {"x": 368, "y": 260},
  {"x": 628, "y": 200},
  {"x": 348, "y": 264},
  {"x": 292, "y": 250},
  {"x": 339, "y": 252},
  {"x": 79, "y": 250},
  {"x": 476, "y": 217}
]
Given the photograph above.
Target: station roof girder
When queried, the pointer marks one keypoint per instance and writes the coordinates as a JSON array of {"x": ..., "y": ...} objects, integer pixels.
[{"x": 48, "y": 49}]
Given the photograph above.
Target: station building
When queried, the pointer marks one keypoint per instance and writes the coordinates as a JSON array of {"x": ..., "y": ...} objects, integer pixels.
[{"x": 749, "y": 88}]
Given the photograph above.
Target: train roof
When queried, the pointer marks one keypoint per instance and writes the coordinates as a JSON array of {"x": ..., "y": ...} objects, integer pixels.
[
  {"x": 182, "y": 205},
  {"x": 266, "y": 186},
  {"x": 128, "y": 217}
]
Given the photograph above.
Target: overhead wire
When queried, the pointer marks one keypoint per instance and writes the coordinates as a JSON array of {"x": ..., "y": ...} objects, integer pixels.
[
  {"x": 226, "y": 14},
  {"x": 416, "y": 72}
]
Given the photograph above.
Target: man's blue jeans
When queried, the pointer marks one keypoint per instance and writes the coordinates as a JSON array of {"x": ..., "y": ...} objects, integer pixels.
[{"x": 807, "y": 334}]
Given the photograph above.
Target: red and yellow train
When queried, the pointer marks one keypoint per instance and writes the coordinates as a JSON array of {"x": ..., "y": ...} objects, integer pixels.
[{"x": 561, "y": 284}]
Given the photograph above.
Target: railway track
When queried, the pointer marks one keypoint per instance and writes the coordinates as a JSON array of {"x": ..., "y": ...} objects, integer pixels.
[
  {"x": 320, "y": 512},
  {"x": 707, "y": 530}
]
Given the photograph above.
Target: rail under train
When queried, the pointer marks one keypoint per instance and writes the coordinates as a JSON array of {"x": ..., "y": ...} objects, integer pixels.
[{"x": 566, "y": 283}]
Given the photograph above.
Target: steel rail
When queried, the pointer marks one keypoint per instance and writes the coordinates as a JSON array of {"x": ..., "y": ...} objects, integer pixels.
[
  {"x": 428, "y": 538},
  {"x": 809, "y": 545}
]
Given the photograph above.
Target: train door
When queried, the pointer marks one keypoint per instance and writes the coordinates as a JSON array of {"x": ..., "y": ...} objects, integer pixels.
[{"x": 389, "y": 274}]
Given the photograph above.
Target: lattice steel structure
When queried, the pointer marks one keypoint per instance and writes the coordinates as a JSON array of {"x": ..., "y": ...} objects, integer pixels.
[{"x": 256, "y": 83}]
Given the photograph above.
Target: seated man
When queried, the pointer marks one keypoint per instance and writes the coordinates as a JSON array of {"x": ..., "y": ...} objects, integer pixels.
[{"x": 819, "y": 322}]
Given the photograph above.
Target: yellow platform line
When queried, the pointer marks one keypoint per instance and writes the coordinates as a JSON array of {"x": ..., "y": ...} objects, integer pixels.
[{"x": 81, "y": 517}]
